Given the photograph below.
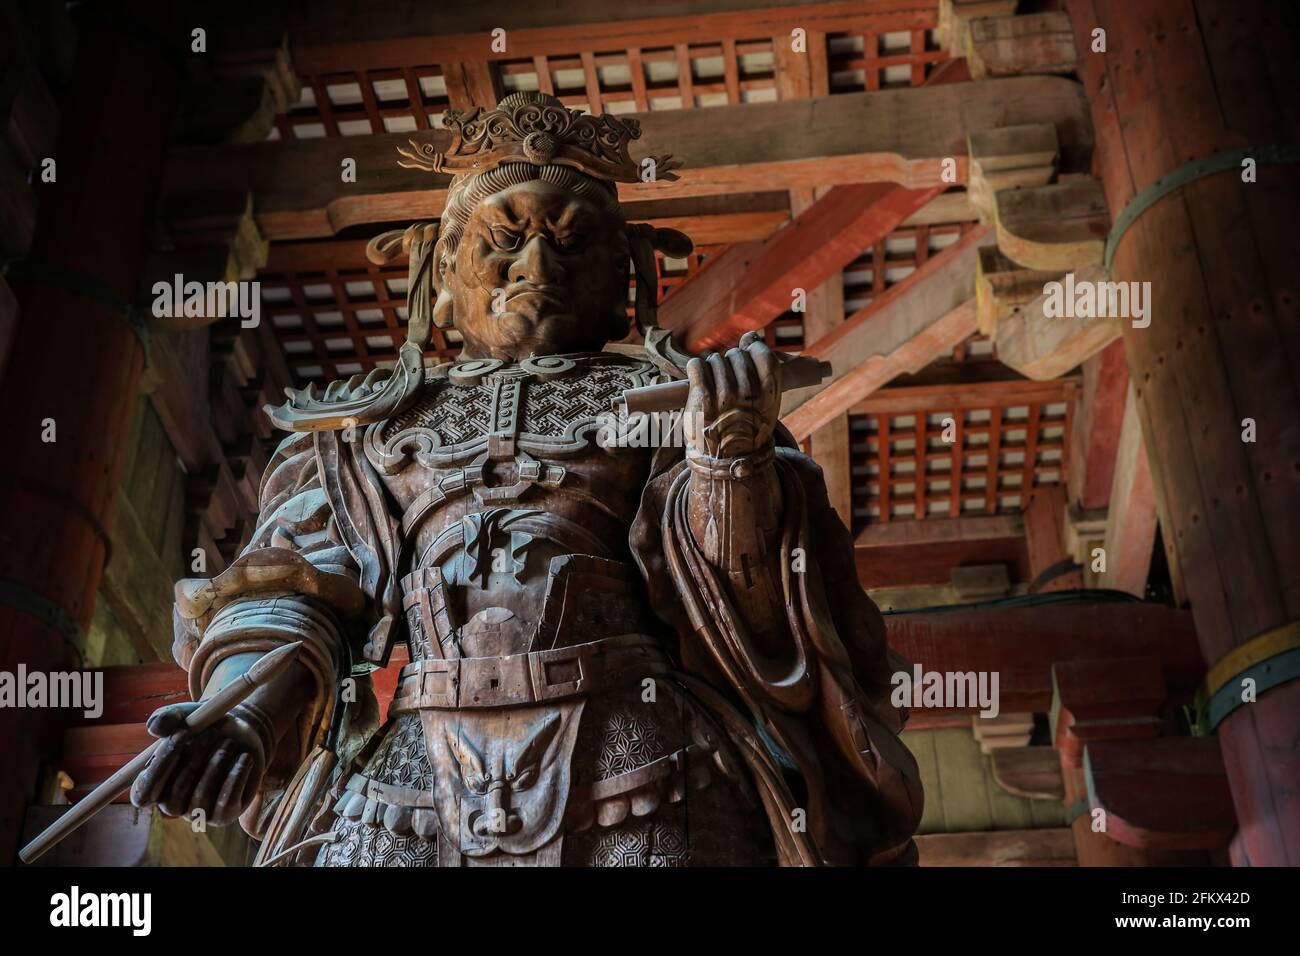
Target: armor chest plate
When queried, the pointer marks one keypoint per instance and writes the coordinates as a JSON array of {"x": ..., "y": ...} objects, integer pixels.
[
  {"x": 551, "y": 407},
  {"x": 541, "y": 433}
]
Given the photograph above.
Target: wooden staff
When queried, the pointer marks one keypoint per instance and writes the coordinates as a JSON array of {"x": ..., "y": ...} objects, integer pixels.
[
  {"x": 199, "y": 719},
  {"x": 798, "y": 372}
]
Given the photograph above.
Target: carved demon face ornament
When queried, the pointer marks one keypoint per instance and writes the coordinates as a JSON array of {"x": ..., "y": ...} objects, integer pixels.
[
  {"x": 539, "y": 270},
  {"x": 501, "y": 779}
]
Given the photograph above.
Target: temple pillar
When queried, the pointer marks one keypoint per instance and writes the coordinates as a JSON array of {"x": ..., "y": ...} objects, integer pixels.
[
  {"x": 76, "y": 361},
  {"x": 1215, "y": 372}
]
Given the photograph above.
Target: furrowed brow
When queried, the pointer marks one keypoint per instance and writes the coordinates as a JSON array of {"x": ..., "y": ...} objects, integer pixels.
[
  {"x": 499, "y": 213},
  {"x": 573, "y": 215}
]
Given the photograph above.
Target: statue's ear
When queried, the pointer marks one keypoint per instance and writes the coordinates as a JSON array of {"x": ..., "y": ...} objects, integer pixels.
[{"x": 443, "y": 316}]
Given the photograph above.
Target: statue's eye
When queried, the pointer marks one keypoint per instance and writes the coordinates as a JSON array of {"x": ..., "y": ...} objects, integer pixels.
[
  {"x": 569, "y": 242},
  {"x": 524, "y": 778},
  {"x": 504, "y": 239}
]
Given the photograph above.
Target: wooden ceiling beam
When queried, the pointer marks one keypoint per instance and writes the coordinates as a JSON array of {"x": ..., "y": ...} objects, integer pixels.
[
  {"x": 1031, "y": 43},
  {"x": 472, "y": 83},
  {"x": 901, "y": 136},
  {"x": 1095, "y": 431},
  {"x": 941, "y": 531},
  {"x": 931, "y": 564},
  {"x": 751, "y": 284},
  {"x": 920, "y": 319},
  {"x": 1051, "y": 566},
  {"x": 904, "y": 400}
]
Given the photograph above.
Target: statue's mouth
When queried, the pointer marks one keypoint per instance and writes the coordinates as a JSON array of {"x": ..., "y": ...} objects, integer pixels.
[{"x": 546, "y": 293}]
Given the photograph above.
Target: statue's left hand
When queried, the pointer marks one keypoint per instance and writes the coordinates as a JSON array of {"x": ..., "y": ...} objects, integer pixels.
[{"x": 734, "y": 400}]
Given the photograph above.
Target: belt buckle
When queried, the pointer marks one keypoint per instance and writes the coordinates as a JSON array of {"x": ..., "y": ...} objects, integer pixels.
[
  {"x": 496, "y": 681},
  {"x": 558, "y": 672},
  {"x": 439, "y": 682}
]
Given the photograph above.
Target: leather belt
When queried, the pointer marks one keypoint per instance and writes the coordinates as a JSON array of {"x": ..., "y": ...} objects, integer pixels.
[{"x": 538, "y": 676}]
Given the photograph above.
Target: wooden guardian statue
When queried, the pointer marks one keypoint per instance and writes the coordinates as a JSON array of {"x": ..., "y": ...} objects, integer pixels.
[{"x": 619, "y": 654}]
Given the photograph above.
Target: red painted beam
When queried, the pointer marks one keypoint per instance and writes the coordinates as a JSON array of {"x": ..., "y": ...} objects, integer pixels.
[
  {"x": 1022, "y": 643},
  {"x": 1170, "y": 794},
  {"x": 1105, "y": 699},
  {"x": 752, "y": 283},
  {"x": 931, "y": 563}
]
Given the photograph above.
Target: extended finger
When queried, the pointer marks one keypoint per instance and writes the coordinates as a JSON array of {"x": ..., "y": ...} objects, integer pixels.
[
  {"x": 742, "y": 367},
  {"x": 176, "y": 798},
  {"x": 701, "y": 385},
  {"x": 169, "y": 720},
  {"x": 768, "y": 366},
  {"x": 231, "y": 800},
  {"x": 724, "y": 381},
  {"x": 205, "y": 794},
  {"x": 155, "y": 775}
]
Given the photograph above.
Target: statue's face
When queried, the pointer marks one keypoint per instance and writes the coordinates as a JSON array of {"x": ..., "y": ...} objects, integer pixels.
[{"x": 539, "y": 271}]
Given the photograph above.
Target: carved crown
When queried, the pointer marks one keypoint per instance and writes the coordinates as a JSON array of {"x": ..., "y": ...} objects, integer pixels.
[{"x": 536, "y": 128}]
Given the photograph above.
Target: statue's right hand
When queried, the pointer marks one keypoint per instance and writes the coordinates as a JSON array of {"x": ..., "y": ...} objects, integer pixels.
[{"x": 217, "y": 770}]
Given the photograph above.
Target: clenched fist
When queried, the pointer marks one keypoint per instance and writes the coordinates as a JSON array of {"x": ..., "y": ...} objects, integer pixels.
[{"x": 734, "y": 399}]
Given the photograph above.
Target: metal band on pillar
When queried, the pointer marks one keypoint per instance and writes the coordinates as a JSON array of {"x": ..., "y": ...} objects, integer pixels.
[
  {"x": 68, "y": 504},
  {"x": 81, "y": 284},
  {"x": 1189, "y": 173},
  {"x": 1051, "y": 573},
  {"x": 24, "y": 599},
  {"x": 1271, "y": 659}
]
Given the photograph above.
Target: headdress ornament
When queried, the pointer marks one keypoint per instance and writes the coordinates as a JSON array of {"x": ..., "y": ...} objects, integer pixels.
[{"x": 536, "y": 128}]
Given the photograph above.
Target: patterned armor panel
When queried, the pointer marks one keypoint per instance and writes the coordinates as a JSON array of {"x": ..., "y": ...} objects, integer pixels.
[{"x": 622, "y": 812}]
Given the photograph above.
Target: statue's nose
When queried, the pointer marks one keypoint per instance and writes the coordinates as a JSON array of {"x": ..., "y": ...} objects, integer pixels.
[
  {"x": 535, "y": 263},
  {"x": 496, "y": 819}
]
